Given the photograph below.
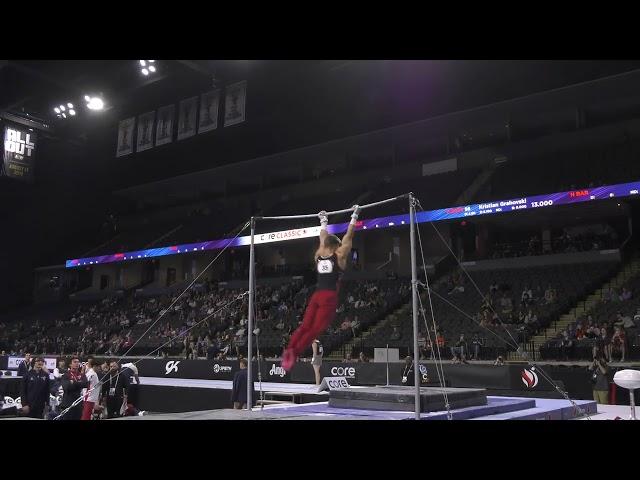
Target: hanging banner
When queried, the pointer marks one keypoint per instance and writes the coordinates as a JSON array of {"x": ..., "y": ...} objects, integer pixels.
[
  {"x": 164, "y": 126},
  {"x": 187, "y": 118},
  {"x": 125, "y": 137},
  {"x": 209, "y": 111},
  {"x": 19, "y": 150},
  {"x": 145, "y": 131},
  {"x": 234, "y": 103}
]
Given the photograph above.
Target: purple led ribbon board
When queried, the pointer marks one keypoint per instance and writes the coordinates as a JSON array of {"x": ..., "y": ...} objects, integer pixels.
[{"x": 479, "y": 209}]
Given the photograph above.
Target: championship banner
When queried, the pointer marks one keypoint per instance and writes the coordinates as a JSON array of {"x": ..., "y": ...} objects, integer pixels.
[
  {"x": 164, "y": 127},
  {"x": 125, "y": 137},
  {"x": 187, "y": 118},
  {"x": 234, "y": 104},
  {"x": 19, "y": 149},
  {"x": 145, "y": 131},
  {"x": 209, "y": 111}
]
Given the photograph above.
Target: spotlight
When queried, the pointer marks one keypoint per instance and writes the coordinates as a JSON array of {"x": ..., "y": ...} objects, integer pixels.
[
  {"x": 147, "y": 67},
  {"x": 72, "y": 112},
  {"x": 70, "y": 105},
  {"x": 94, "y": 103},
  {"x": 64, "y": 115},
  {"x": 57, "y": 110},
  {"x": 62, "y": 107}
]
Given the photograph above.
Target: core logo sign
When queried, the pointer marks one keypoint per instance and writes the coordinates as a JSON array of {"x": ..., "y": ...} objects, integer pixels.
[
  {"x": 277, "y": 371},
  {"x": 171, "y": 366},
  {"x": 529, "y": 378},
  {"x": 349, "y": 372}
]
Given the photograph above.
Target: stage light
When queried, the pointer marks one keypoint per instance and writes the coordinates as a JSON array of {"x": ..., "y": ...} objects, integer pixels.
[
  {"x": 147, "y": 67},
  {"x": 64, "y": 115},
  {"x": 94, "y": 103},
  {"x": 70, "y": 105},
  {"x": 57, "y": 110},
  {"x": 62, "y": 107},
  {"x": 72, "y": 111}
]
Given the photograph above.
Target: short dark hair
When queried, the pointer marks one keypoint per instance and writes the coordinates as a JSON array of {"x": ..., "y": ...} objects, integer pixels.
[
  {"x": 243, "y": 361},
  {"x": 39, "y": 359},
  {"x": 72, "y": 358},
  {"x": 332, "y": 241}
]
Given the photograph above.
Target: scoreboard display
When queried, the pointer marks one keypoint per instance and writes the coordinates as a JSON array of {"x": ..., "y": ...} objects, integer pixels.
[{"x": 513, "y": 206}]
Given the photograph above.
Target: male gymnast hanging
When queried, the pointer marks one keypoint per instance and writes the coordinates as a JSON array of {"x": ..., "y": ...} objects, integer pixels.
[{"x": 331, "y": 262}]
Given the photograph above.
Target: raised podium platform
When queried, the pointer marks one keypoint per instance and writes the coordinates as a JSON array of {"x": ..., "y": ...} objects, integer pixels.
[{"x": 398, "y": 398}]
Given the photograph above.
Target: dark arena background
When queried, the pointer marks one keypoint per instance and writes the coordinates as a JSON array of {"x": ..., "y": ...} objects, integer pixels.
[{"x": 160, "y": 223}]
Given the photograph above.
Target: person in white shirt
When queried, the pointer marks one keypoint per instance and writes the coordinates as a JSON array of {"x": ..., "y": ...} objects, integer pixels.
[
  {"x": 91, "y": 394},
  {"x": 131, "y": 371}
]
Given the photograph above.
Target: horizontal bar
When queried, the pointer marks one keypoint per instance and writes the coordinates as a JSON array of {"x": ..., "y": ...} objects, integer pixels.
[{"x": 335, "y": 212}]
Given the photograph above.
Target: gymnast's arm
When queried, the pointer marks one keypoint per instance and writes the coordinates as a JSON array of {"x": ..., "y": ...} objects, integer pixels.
[
  {"x": 347, "y": 241},
  {"x": 324, "y": 220}
]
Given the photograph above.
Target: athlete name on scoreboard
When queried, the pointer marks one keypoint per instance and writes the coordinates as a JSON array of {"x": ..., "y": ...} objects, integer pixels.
[{"x": 19, "y": 149}]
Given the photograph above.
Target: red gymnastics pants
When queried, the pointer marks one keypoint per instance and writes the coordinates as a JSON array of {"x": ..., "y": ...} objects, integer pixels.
[
  {"x": 87, "y": 410},
  {"x": 319, "y": 314}
]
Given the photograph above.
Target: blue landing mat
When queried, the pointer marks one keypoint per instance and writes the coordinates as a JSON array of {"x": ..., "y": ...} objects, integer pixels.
[{"x": 498, "y": 408}]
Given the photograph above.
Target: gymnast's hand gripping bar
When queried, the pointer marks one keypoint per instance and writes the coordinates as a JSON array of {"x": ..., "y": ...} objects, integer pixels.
[{"x": 336, "y": 212}]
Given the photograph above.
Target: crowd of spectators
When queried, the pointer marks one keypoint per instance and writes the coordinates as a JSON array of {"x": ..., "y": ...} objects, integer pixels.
[{"x": 207, "y": 321}]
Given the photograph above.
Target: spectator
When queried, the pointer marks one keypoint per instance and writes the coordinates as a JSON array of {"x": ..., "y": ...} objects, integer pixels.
[
  {"x": 395, "y": 334},
  {"x": 459, "y": 350},
  {"x": 618, "y": 341},
  {"x": 346, "y": 324},
  {"x": 363, "y": 358},
  {"x": 505, "y": 304},
  {"x": 25, "y": 366},
  {"x": 35, "y": 390},
  {"x": 116, "y": 387},
  {"x": 625, "y": 295},
  {"x": 130, "y": 371},
  {"x": 73, "y": 381},
  {"x": 355, "y": 325},
  {"x": 624, "y": 321},
  {"x": 499, "y": 361},
  {"x": 239, "y": 389},
  {"x": 91, "y": 394},
  {"x": 526, "y": 297},
  {"x": 476, "y": 343},
  {"x": 566, "y": 345},
  {"x": 600, "y": 380},
  {"x": 549, "y": 295}
]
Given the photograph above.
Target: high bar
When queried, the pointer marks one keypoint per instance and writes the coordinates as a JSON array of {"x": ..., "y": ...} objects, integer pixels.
[{"x": 336, "y": 212}]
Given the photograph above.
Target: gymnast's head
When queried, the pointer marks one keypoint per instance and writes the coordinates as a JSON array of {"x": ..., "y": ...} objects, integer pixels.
[{"x": 332, "y": 243}]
